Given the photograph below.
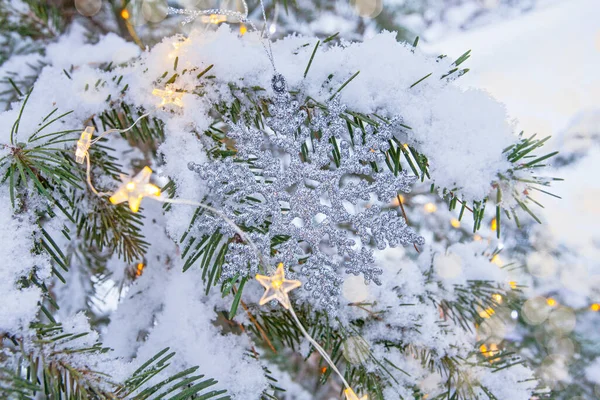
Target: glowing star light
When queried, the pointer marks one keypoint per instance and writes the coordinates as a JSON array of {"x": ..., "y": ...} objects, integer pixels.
[
  {"x": 83, "y": 144},
  {"x": 169, "y": 96},
  {"x": 134, "y": 189},
  {"x": 277, "y": 287},
  {"x": 213, "y": 19},
  {"x": 350, "y": 395}
]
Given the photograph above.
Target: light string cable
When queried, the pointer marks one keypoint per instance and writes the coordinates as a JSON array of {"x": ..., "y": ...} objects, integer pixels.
[
  {"x": 220, "y": 214},
  {"x": 349, "y": 391},
  {"x": 318, "y": 347},
  {"x": 83, "y": 146},
  {"x": 85, "y": 142},
  {"x": 243, "y": 17}
]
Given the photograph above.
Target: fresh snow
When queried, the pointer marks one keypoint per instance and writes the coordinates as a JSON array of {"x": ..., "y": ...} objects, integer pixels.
[{"x": 462, "y": 132}]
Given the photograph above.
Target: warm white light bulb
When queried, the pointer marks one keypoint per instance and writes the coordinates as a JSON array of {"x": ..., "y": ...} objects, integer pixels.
[{"x": 83, "y": 144}]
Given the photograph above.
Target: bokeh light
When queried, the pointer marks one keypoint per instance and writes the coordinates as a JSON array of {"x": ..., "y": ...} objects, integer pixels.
[
  {"x": 430, "y": 208},
  {"x": 154, "y": 11},
  {"x": 562, "y": 319},
  {"x": 535, "y": 310},
  {"x": 88, "y": 8},
  {"x": 367, "y": 8},
  {"x": 541, "y": 264}
]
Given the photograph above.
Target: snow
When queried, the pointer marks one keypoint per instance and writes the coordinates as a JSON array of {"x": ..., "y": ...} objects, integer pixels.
[
  {"x": 169, "y": 309},
  {"x": 464, "y": 262},
  {"x": 19, "y": 304},
  {"x": 461, "y": 131},
  {"x": 185, "y": 325},
  {"x": 447, "y": 123},
  {"x": 592, "y": 372},
  {"x": 514, "y": 383},
  {"x": 543, "y": 67},
  {"x": 72, "y": 49}
]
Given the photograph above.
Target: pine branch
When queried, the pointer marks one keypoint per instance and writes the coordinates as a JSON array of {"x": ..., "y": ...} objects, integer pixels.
[{"x": 49, "y": 369}]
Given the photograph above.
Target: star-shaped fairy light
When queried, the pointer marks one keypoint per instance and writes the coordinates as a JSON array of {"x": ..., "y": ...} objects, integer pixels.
[
  {"x": 277, "y": 287},
  {"x": 169, "y": 96},
  {"x": 350, "y": 395},
  {"x": 132, "y": 190}
]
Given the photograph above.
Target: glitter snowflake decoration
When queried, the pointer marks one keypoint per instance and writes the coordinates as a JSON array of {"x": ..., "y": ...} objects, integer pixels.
[{"x": 310, "y": 194}]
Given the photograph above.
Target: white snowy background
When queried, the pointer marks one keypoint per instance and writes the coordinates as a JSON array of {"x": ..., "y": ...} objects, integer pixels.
[{"x": 544, "y": 67}]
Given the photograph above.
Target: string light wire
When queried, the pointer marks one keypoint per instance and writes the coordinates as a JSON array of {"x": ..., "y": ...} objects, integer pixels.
[
  {"x": 220, "y": 214},
  {"x": 318, "y": 347},
  {"x": 130, "y": 127},
  {"x": 242, "y": 17}
]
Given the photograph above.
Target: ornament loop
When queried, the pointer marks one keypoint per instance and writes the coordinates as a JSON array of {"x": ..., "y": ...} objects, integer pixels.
[{"x": 278, "y": 84}]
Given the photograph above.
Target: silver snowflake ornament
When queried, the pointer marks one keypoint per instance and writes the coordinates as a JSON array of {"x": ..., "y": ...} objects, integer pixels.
[{"x": 310, "y": 193}]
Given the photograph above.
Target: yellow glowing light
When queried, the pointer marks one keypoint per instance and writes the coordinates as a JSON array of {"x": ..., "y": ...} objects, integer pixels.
[
  {"x": 323, "y": 370},
  {"x": 497, "y": 297},
  {"x": 476, "y": 237},
  {"x": 405, "y": 145},
  {"x": 169, "y": 96},
  {"x": 83, "y": 144},
  {"x": 494, "y": 225},
  {"x": 139, "y": 269},
  {"x": 243, "y": 29},
  {"x": 133, "y": 190},
  {"x": 497, "y": 260},
  {"x": 489, "y": 352},
  {"x": 455, "y": 223},
  {"x": 513, "y": 284},
  {"x": 276, "y": 283},
  {"x": 177, "y": 45},
  {"x": 125, "y": 14},
  {"x": 350, "y": 395},
  {"x": 551, "y": 302},
  {"x": 277, "y": 287},
  {"x": 395, "y": 201},
  {"x": 430, "y": 208},
  {"x": 488, "y": 312},
  {"x": 595, "y": 307},
  {"x": 213, "y": 19}
]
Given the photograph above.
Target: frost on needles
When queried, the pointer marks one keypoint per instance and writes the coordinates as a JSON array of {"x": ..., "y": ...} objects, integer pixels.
[{"x": 360, "y": 124}]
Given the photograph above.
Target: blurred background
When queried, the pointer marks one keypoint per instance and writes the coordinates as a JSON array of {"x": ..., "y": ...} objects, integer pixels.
[{"x": 541, "y": 58}]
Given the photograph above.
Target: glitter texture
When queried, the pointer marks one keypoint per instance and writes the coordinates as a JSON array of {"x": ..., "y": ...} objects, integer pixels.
[{"x": 310, "y": 193}]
